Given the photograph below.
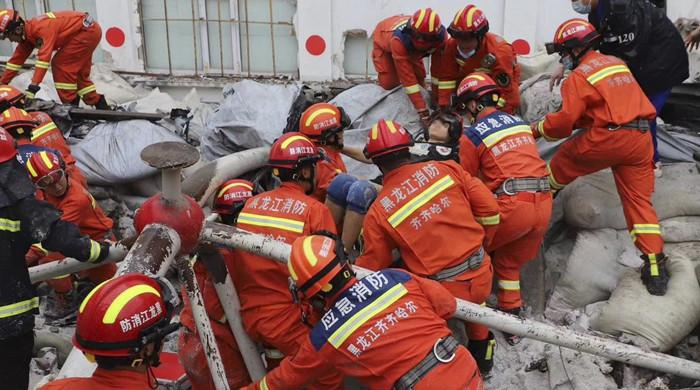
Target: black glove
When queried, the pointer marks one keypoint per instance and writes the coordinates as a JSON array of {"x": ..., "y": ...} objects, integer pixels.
[{"x": 31, "y": 91}]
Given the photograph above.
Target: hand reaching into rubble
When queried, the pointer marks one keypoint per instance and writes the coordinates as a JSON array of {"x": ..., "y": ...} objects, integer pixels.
[
  {"x": 557, "y": 77},
  {"x": 692, "y": 40}
]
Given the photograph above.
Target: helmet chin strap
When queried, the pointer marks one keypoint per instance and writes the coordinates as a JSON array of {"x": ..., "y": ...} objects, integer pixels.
[{"x": 311, "y": 180}]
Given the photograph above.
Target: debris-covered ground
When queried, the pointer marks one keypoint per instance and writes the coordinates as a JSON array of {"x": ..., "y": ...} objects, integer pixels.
[{"x": 584, "y": 283}]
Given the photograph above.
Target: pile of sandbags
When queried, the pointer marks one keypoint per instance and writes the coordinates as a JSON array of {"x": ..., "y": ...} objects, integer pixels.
[{"x": 603, "y": 264}]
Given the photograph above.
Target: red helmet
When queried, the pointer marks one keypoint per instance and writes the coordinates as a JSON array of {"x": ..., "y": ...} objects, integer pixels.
[
  {"x": 425, "y": 25},
  {"x": 474, "y": 87},
  {"x": 571, "y": 34},
  {"x": 18, "y": 122},
  {"x": 10, "y": 96},
  {"x": 122, "y": 315},
  {"x": 232, "y": 196},
  {"x": 7, "y": 146},
  {"x": 291, "y": 150},
  {"x": 386, "y": 137},
  {"x": 9, "y": 19},
  {"x": 322, "y": 120},
  {"x": 45, "y": 168},
  {"x": 314, "y": 262},
  {"x": 469, "y": 22}
]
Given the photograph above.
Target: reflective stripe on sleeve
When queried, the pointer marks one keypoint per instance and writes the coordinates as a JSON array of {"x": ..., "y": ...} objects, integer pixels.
[{"x": 19, "y": 307}]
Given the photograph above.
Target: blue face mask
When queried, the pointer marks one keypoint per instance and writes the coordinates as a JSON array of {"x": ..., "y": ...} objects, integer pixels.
[
  {"x": 581, "y": 8},
  {"x": 568, "y": 62}
]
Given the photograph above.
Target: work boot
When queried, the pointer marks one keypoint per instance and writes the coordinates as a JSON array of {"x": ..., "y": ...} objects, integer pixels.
[
  {"x": 482, "y": 352},
  {"x": 512, "y": 339},
  {"x": 102, "y": 104},
  {"x": 654, "y": 274}
]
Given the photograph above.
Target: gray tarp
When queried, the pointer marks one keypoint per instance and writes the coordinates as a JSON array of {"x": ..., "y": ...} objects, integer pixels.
[
  {"x": 110, "y": 153},
  {"x": 251, "y": 115}
]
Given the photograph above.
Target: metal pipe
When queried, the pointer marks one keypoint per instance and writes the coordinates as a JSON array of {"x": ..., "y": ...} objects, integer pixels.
[
  {"x": 226, "y": 291},
  {"x": 153, "y": 252},
  {"x": 201, "y": 320},
  {"x": 171, "y": 185},
  {"x": 70, "y": 266},
  {"x": 167, "y": 37},
  {"x": 567, "y": 338},
  {"x": 467, "y": 311}
]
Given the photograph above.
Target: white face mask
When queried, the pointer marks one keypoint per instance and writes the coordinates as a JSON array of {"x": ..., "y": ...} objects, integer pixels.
[
  {"x": 465, "y": 56},
  {"x": 582, "y": 8}
]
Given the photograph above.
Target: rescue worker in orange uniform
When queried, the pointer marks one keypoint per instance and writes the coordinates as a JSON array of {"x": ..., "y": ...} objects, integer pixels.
[
  {"x": 400, "y": 44},
  {"x": 500, "y": 149},
  {"x": 347, "y": 198},
  {"x": 602, "y": 96},
  {"x": 121, "y": 326},
  {"x": 77, "y": 206},
  {"x": 386, "y": 329},
  {"x": 36, "y": 128},
  {"x": 421, "y": 211},
  {"x": 285, "y": 213},
  {"x": 211, "y": 267},
  {"x": 471, "y": 48},
  {"x": 72, "y": 35}
]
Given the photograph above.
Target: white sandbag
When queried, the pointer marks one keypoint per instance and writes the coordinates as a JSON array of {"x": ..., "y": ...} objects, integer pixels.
[
  {"x": 592, "y": 202},
  {"x": 681, "y": 229},
  {"x": 536, "y": 63},
  {"x": 114, "y": 87},
  {"x": 658, "y": 322},
  {"x": 592, "y": 270},
  {"x": 536, "y": 100},
  {"x": 111, "y": 153},
  {"x": 251, "y": 115}
]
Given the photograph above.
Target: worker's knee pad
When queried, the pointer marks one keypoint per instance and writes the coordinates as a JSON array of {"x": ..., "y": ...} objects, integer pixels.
[
  {"x": 339, "y": 188},
  {"x": 361, "y": 194}
]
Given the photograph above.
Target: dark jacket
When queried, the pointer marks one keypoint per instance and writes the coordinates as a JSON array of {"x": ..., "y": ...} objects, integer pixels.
[
  {"x": 25, "y": 220},
  {"x": 645, "y": 38}
]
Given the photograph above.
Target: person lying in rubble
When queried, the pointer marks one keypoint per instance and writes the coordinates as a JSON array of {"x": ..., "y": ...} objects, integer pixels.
[
  {"x": 347, "y": 197},
  {"x": 121, "y": 326},
  {"x": 499, "y": 148},
  {"x": 420, "y": 210},
  {"x": 55, "y": 185},
  {"x": 24, "y": 220},
  {"x": 602, "y": 96},
  {"x": 35, "y": 128},
  {"x": 387, "y": 329},
  {"x": 268, "y": 313},
  {"x": 211, "y": 267}
]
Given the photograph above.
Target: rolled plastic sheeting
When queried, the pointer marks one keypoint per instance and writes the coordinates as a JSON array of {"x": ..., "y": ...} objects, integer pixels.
[{"x": 202, "y": 183}]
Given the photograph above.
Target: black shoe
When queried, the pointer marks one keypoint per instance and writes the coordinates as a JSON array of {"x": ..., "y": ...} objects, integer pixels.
[
  {"x": 512, "y": 339},
  {"x": 482, "y": 351},
  {"x": 102, "y": 104},
  {"x": 654, "y": 274}
]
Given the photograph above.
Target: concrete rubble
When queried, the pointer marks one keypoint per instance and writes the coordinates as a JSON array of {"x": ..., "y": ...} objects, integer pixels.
[{"x": 578, "y": 280}]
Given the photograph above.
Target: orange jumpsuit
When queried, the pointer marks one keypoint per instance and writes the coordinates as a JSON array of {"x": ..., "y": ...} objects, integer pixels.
[
  {"x": 103, "y": 380},
  {"x": 190, "y": 348},
  {"x": 267, "y": 308},
  {"x": 79, "y": 207},
  {"x": 499, "y": 147},
  {"x": 48, "y": 135},
  {"x": 601, "y": 94},
  {"x": 326, "y": 170},
  {"x": 430, "y": 205},
  {"x": 396, "y": 60},
  {"x": 396, "y": 320},
  {"x": 447, "y": 71},
  {"x": 74, "y": 37}
]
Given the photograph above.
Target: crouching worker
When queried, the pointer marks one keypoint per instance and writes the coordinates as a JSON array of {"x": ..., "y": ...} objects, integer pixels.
[
  {"x": 109, "y": 333},
  {"x": 347, "y": 197},
  {"x": 387, "y": 329},
  {"x": 211, "y": 267},
  {"x": 48, "y": 172}
]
